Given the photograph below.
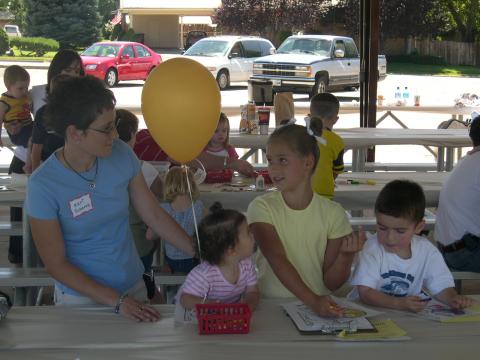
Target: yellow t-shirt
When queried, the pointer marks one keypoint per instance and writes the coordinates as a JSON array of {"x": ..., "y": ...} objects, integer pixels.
[
  {"x": 329, "y": 164},
  {"x": 17, "y": 109},
  {"x": 304, "y": 235}
]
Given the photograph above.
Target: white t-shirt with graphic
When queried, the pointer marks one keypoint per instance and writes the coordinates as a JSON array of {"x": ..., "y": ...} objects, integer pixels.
[{"x": 387, "y": 272}]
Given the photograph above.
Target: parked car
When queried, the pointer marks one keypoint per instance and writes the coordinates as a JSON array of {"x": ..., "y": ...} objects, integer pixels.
[
  {"x": 229, "y": 58},
  {"x": 12, "y": 30},
  {"x": 193, "y": 37},
  {"x": 116, "y": 61},
  {"x": 313, "y": 64}
]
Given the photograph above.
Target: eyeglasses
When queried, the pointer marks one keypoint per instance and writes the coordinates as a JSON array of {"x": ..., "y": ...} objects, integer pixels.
[{"x": 109, "y": 129}]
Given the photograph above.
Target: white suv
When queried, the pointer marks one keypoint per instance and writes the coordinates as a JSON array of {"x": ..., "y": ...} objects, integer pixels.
[{"x": 229, "y": 58}]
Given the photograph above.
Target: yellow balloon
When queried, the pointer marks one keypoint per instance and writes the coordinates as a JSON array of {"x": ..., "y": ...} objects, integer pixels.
[{"x": 181, "y": 107}]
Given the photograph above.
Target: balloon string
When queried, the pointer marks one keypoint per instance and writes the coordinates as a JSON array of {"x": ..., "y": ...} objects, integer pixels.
[{"x": 193, "y": 211}]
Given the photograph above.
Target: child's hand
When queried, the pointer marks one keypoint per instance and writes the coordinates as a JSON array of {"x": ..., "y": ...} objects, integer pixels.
[
  {"x": 412, "y": 303},
  {"x": 461, "y": 302},
  {"x": 353, "y": 243},
  {"x": 326, "y": 307},
  {"x": 242, "y": 166}
]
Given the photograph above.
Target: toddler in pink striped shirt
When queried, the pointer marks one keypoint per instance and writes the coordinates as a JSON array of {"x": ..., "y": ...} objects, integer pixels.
[{"x": 227, "y": 273}]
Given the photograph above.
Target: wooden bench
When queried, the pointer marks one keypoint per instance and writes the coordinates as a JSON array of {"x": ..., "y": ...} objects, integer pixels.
[
  {"x": 459, "y": 276},
  {"x": 24, "y": 280},
  {"x": 8, "y": 228},
  {"x": 375, "y": 166}
]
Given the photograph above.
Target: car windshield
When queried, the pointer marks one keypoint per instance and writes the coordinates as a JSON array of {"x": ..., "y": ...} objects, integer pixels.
[
  {"x": 208, "y": 48},
  {"x": 308, "y": 46},
  {"x": 101, "y": 50},
  {"x": 10, "y": 29}
]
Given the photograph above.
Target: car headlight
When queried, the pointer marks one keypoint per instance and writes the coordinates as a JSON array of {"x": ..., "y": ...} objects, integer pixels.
[
  {"x": 91, "y": 67},
  {"x": 305, "y": 71},
  {"x": 211, "y": 68}
]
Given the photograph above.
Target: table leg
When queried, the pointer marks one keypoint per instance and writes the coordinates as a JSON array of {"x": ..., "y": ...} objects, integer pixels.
[
  {"x": 30, "y": 259},
  {"x": 449, "y": 159},
  {"x": 441, "y": 159},
  {"x": 358, "y": 159}
]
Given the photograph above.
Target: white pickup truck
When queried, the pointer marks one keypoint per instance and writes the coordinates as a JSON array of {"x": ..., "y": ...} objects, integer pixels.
[{"x": 313, "y": 64}]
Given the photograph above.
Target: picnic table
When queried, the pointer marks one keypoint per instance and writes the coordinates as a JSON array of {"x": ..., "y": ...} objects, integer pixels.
[{"x": 96, "y": 332}]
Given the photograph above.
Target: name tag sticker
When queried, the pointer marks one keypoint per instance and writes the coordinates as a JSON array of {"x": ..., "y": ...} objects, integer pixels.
[{"x": 81, "y": 205}]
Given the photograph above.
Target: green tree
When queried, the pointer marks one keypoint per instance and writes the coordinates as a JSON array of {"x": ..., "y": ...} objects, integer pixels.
[
  {"x": 70, "y": 22},
  {"x": 268, "y": 18},
  {"x": 17, "y": 9},
  {"x": 466, "y": 17},
  {"x": 400, "y": 18},
  {"x": 106, "y": 9}
]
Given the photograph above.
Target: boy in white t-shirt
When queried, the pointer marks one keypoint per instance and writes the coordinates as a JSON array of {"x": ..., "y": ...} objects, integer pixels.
[{"x": 396, "y": 265}]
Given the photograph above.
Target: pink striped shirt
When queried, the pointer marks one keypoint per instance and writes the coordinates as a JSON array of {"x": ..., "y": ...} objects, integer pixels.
[{"x": 208, "y": 279}]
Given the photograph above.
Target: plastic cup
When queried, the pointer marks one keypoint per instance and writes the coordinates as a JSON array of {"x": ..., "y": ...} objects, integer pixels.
[
  {"x": 416, "y": 100},
  {"x": 263, "y": 116}
]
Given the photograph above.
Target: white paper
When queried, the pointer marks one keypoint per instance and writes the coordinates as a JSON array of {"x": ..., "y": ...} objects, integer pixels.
[{"x": 306, "y": 320}]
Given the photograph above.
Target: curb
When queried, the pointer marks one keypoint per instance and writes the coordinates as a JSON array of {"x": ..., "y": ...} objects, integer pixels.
[{"x": 26, "y": 64}]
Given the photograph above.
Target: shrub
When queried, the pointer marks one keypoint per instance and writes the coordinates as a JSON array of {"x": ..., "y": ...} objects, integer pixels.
[
  {"x": 417, "y": 59},
  {"x": 37, "y": 45},
  {"x": 4, "y": 46}
]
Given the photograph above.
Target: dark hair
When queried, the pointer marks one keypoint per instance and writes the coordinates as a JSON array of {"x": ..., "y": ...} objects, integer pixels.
[
  {"x": 127, "y": 124},
  {"x": 62, "y": 60},
  {"x": 474, "y": 131},
  {"x": 324, "y": 105},
  {"x": 77, "y": 101},
  {"x": 316, "y": 125},
  {"x": 57, "y": 79},
  {"x": 402, "y": 199},
  {"x": 218, "y": 232},
  {"x": 298, "y": 139}
]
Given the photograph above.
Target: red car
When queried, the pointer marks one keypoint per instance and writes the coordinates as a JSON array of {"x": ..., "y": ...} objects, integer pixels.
[{"x": 116, "y": 61}]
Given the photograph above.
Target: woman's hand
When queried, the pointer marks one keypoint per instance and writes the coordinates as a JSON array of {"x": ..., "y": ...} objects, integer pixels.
[{"x": 134, "y": 310}]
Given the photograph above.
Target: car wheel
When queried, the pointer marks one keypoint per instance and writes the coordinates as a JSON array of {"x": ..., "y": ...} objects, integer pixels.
[
  {"x": 320, "y": 85},
  {"x": 223, "y": 80},
  {"x": 111, "y": 78}
]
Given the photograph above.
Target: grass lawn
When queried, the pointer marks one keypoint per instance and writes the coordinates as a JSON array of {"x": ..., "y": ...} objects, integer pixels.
[
  {"x": 435, "y": 70},
  {"x": 25, "y": 56}
]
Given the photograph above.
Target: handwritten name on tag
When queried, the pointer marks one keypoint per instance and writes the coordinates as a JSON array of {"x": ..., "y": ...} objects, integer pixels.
[{"x": 81, "y": 205}]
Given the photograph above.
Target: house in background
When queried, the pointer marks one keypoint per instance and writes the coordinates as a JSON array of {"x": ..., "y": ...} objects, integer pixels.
[
  {"x": 6, "y": 17},
  {"x": 162, "y": 21}
]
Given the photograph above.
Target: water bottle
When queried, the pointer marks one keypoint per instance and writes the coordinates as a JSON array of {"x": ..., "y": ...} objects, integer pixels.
[
  {"x": 406, "y": 96},
  {"x": 398, "y": 96},
  {"x": 260, "y": 183}
]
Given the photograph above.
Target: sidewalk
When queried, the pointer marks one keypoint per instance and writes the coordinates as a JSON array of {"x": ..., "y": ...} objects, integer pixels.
[{"x": 27, "y": 64}]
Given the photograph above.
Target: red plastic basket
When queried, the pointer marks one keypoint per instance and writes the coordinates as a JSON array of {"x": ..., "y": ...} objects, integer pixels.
[
  {"x": 223, "y": 318},
  {"x": 219, "y": 176}
]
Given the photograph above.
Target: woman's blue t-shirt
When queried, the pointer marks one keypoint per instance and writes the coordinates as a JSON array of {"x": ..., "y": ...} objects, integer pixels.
[{"x": 94, "y": 222}]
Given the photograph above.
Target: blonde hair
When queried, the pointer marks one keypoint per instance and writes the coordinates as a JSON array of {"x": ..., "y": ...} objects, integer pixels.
[
  {"x": 176, "y": 184},
  {"x": 224, "y": 120},
  {"x": 15, "y": 73}
]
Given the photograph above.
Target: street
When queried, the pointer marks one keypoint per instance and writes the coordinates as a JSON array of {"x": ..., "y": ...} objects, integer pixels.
[{"x": 432, "y": 91}]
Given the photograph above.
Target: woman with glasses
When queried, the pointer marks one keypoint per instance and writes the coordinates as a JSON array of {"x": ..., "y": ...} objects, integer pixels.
[{"x": 77, "y": 203}]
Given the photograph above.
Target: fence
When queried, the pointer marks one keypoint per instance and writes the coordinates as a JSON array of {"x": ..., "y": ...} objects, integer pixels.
[{"x": 455, "y": 53}]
